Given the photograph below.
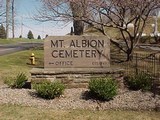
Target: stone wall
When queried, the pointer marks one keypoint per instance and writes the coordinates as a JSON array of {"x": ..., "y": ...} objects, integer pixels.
[{"x": 75, "y": 77}]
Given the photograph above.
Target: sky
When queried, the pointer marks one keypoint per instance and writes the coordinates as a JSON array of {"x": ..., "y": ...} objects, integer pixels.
[{"x": 25, "y": 10}]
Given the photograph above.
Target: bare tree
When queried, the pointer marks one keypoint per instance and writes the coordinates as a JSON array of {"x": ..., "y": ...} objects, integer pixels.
[
  {"x": 102, "y": 14},
  {"x": 63, "y": 10},
  {"x": 78, "y": 11},
  {"x": 2, "y": 11},
  {"x": 7, "y": 17},
  {"x": 120, "y": 15}
]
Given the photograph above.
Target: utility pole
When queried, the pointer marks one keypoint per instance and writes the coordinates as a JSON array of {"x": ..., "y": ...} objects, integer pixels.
[
  {"x": 13, "y": 19},
  {"x": 22, "y": 25},
  {"x": 7, "y": 18}
]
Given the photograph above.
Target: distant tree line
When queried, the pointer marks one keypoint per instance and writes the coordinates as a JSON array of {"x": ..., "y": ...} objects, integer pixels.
[{"x": 31, "y": 36}]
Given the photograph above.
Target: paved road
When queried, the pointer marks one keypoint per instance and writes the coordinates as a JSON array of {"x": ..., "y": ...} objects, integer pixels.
[{"x": 11, "y": 48}]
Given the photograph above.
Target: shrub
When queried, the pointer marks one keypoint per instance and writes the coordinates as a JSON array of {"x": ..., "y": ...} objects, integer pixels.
[
  {"x": 17, "y": 82},
  {"x": 140, "y": 81},
  {"x": 103, "y": 88},
  {"x": 49, "y": 90},
  {"x": 20, "y": 80}
]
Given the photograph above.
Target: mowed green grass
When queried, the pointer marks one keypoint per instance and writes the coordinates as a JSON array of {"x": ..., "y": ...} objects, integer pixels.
[
  {"x": 12, "y": 112},
  {"x": 18, "y": 40},
  {"x": 12, "y": 64}
]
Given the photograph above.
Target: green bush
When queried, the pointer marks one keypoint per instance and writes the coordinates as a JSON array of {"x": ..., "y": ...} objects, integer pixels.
[
  {"x": 49, "y": 90},
  {"x": 103, "y": 88},
  {"x": 141, "y": 81},
  {"x": 17, "y": 82}
]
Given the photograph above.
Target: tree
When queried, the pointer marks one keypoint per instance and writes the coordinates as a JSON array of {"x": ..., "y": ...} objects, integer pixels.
[
  {"x": 30, "y": 35},
  {"x": 9, "y": 11},
  {"x": 119, "y": 14},
  {"x": 7, "y": 17},
  {"x": 77, "y": 13},
  {"x": 63, "y": 10},
  {"x": 39, "y": 37},
  {"x": 2, "y": 11},
  {"x": 2, "y": 32},
  {"x": 102, "y": 14}
]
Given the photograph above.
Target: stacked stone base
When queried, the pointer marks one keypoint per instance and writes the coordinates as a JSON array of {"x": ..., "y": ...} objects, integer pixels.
[{"x": 75, "y": 78}]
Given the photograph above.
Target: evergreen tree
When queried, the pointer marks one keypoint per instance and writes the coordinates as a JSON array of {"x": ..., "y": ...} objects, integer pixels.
[
  {"x": 30, "y": 35},
  {"x": 2, "y": 32},
  {"x": 39, "y": 37},
  {"x": 20, "y": 36}
]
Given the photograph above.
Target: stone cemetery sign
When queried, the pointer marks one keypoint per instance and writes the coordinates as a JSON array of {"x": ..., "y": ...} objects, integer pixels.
[{"x": 76, "y": 52}]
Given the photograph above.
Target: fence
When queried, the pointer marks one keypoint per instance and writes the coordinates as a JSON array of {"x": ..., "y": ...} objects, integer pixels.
[{"x": 149, "y": 63}]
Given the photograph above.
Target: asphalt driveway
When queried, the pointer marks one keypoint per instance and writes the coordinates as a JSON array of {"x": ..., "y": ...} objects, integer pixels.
[{"x": 11, "y": 48}]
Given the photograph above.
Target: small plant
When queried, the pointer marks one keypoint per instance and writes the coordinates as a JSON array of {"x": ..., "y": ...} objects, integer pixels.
[
  {"x": 20, "y": 80},
  {"x": 140, "y": 81},
  {"x": 103, "y": 88},
  {"x": 17, "y": 82},
  {"x": 49, "y": 90}
]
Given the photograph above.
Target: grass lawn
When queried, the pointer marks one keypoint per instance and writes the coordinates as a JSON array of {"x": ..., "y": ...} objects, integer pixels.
[
  {"x": 18, "y": 40},
  {"x": 10, "y": 112},
  {"x": 12, "y": 64}
]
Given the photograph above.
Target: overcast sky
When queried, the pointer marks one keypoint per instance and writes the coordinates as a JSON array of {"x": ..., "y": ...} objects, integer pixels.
[{"x": 25, "y": 10}]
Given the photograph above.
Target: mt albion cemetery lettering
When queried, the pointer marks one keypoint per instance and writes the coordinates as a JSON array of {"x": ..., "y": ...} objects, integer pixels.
[
  {"x": 80, "y": 53},
  {"x": 76, "y": 52}
]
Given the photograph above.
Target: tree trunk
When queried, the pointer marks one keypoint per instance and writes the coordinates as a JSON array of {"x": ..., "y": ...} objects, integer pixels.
[
  {"x": 77, "y": 11},
  {"x": 7, "y": 18},
  {"x": 78, "y": 27},
  {"x": 129, "y": 55}
]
